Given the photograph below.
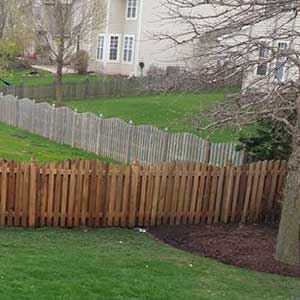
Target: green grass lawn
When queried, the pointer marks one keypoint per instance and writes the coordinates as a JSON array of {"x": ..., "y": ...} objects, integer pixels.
[
  {"x": 115, "y": 264},
  {"x": 18, "y": 76},
  {"x": 16, "y": 144},
  {"x": 172, "y": 111}
]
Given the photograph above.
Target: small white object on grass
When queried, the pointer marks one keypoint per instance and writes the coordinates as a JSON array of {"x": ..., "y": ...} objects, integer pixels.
[
  {"x": 142, "y": 230},
  {"x": 190, "y": 265},
  {"x": 75, "y": 109}
]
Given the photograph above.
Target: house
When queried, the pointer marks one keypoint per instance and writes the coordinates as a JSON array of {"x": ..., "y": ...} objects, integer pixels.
[
  {"x": 126, "y": 44},
  {"x": 272, "y": 59}
]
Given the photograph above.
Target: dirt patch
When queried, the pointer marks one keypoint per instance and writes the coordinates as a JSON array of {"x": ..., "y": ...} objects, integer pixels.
[{"x": 250, "y": 247}]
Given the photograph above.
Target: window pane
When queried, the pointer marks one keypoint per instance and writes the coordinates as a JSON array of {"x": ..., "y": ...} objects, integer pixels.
[
  {"x": 282, "y": 46},
  {"x": 263, "y": 52},
  {"x": 262, "y": 69},
  {"x": 128, "y": 48},
  {"x": 279, "y": 70},
  {"x": 100, "y": 48},
  {"x": 113, "y": 51},
  {"x": 131, "y": 8}
]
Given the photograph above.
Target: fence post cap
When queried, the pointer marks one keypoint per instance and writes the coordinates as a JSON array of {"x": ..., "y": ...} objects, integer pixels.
[{"x": 135, "y": 163}]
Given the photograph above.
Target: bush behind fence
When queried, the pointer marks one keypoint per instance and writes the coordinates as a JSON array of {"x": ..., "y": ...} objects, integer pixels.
[
  {"x": 113, "y": 86},
  {"x": 113, "y": 138},
  {"x": 105, "y": 87},
  {"x": 97, "y": 194}
]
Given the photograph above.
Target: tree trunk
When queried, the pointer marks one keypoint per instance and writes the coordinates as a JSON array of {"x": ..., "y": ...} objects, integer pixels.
[
  {"x": 59, "y": 68},
  {"x": 287, "y": 249},
  {"x": 58, "y": 82}
]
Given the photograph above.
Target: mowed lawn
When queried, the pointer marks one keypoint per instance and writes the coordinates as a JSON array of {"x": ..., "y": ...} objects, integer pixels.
[
  {"x": 172, "y": 111},
  {"x": 115, "y": 264},
  {"x": 16, "y": 144},
  {"x": 18, "y": 76}
]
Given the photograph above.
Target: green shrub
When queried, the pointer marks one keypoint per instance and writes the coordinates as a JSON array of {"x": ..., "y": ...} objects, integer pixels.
[{"x": 270, "y": 141}]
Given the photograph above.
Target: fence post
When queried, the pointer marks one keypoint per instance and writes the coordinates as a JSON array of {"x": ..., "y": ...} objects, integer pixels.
[
  {"x": 134, "y": 178},
  {"x": 73, "y": 127},
  {"x": 165, "y": 153},
  {"x": 86, "y": 88},
  {"x": 207, "y": 149},
  {"x": 129, "y": 150},
  {"x": 17, "y": 113},
  {"x": 32, "y": 195}
]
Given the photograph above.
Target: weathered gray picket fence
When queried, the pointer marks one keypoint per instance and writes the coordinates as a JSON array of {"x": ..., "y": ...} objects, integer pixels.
[{"x": 113, "y": 138}]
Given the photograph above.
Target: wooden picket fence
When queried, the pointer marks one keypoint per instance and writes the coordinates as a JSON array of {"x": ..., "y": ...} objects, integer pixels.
[
  {"x": 98, "y": 194},
  {"x": 114, "y": 138}
]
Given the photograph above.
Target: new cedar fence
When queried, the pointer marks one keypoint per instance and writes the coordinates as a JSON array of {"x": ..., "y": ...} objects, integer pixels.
[
  {"x": 97, "y": 194},
  {"x": 114, "y": 138}
]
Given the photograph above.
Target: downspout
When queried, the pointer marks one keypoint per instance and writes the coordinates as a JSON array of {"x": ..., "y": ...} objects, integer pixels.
[
  {"x": 138, "y": 38},
  {"x": 106, "y": 42}
]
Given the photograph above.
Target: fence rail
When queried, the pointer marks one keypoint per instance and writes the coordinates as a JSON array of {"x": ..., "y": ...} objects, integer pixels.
[
  {"x": 113, "y": 138},
  {"x": 97, "y": 194}
]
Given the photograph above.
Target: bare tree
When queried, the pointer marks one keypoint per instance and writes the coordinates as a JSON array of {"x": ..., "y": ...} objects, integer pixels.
[
  {"x": 261, "y": 40},
  {"x": 14, "y": 35},
  {"x": 61, "y": 27}
]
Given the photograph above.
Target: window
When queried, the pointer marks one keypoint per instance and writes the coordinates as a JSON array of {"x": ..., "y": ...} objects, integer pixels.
[
  {"x": 280, "y": 65},
  {"x": 128, "y": 48},
  {"x": 263, "y": 54},
  {"x": 100, "y": 47},
  {"x": 114, "y": 47},
  {"x": 262, "y": 70},
  {"x": 131, "y": 9}
]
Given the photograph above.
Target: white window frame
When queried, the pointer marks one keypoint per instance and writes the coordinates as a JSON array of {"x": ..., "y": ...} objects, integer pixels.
[
  {"x": 118, "y": 50},
  {"x": 133, "y": 46},
  {"x": 101, "y": 35},
  {"x": 136, "y": 10},
  {"x": 284, "y": 67},
  {"x": 261, "y": 58}
]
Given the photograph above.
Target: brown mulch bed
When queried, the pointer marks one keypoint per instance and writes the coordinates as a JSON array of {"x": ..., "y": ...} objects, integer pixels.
[{"x": 247, "y": 246}]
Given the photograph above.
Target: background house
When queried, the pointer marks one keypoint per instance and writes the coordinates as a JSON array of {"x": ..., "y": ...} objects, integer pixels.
[
  {"x": 270, "y": 59},
  {"x": 127, "y": 39}
]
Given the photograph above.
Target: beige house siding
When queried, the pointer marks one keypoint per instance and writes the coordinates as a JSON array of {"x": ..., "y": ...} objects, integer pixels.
[
  {"x": 153, "y": 52},
  {"x": 264, "y": 29},
  {"x": 116, "y": 24}
]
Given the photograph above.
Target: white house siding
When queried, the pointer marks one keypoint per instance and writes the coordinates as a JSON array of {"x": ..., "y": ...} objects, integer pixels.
[{"x": 260, "y": 31}]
